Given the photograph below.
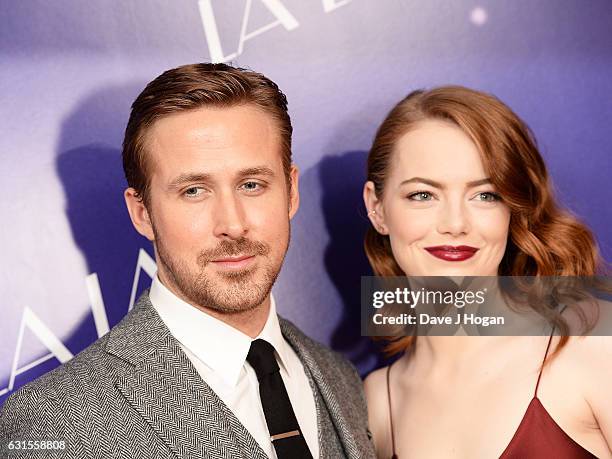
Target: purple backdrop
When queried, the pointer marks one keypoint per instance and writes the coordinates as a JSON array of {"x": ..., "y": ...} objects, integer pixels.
[{"x": 70, "y": 69}]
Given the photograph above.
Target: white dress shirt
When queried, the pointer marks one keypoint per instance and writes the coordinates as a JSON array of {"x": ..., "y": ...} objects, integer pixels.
[{"x": 218, "y": 352}]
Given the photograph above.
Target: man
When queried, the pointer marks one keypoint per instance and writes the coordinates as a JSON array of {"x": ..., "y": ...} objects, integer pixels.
[{"x": 202, "y": 366}]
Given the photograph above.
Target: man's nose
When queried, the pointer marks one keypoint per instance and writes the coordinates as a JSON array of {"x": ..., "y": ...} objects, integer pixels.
[{"x": 229, "y": 215}]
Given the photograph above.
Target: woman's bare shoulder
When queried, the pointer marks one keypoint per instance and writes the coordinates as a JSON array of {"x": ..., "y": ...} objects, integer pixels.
[
  {"x": 590, "y": 357},
  {"x": 591, "y": 351},
  {"x": 375, "y": 387}
]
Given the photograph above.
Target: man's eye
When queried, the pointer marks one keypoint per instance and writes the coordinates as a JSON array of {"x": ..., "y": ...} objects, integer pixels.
[
  {"x": 420, "y": 196},
  {"x": 193, "y": 192},
  {"x": 488, "y": 196},
  {"x": 252, "y": 186}
]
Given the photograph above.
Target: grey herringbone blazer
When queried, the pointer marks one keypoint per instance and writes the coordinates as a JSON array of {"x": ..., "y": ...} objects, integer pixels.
[{"x": 134, "y": 394}]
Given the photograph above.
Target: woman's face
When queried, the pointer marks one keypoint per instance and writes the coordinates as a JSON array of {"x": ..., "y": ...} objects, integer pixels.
[{"x": 439, "y": 209}]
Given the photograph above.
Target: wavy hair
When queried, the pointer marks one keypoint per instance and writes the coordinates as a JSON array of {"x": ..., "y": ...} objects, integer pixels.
[
  {"x": 194, "y": 86},
  {"x": 544, "y": 239}
]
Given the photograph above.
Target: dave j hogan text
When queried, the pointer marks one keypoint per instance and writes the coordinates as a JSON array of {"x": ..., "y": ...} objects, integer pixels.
[{"x": 427, "y": 319}]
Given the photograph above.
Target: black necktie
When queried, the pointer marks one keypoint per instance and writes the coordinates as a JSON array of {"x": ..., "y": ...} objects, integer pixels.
[{"x": 283, "y": 426}]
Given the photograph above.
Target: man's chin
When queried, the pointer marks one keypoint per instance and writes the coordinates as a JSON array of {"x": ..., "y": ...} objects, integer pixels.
[
  {"x": 236, "y": 292},
  {"x": 236, "y": 275},
  {"x": 231, "y": 303}
]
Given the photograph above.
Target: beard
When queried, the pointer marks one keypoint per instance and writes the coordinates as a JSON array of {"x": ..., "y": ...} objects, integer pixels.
[{"x": 228, "y": 292}]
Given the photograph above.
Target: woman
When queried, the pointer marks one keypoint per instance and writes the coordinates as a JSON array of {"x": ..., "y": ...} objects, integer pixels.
[{"x": 456, "y": 187}]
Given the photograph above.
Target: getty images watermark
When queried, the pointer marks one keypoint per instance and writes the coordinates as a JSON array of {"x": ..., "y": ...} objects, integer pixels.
[{"x": 493, "y": 305}]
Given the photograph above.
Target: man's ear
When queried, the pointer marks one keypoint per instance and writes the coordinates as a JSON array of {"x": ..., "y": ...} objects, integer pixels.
[
  {"x": 294, "y": 192},
  {"x": 138, "y": 213},
  {"x": 374, "y": 208}
]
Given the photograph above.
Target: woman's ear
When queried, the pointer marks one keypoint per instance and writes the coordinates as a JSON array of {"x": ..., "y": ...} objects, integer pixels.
[{"x": 374, "y": 208}]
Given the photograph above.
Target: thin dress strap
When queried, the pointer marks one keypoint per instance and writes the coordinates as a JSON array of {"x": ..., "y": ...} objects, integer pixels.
[
  {"x": 535, "y": 394},
  {"x": 394, "y": 456}
]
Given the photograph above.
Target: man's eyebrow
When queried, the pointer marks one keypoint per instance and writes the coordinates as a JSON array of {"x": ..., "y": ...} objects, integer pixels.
[
  {"x": 259, "y": 170},
  {"x": 186, "y": 178},
  {"x": 191, "y": 177},
  {"x": 438, "y": 185}
]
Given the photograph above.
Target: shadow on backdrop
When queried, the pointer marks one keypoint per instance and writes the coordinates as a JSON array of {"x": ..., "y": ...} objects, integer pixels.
[
  {"x": 88, "y": 163},
  {"x": 92, "y": 176},
  {"x": 342, "y": 178}
]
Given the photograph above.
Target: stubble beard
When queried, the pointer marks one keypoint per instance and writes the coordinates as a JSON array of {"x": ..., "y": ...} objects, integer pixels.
[{"x": 230, "y": 292}]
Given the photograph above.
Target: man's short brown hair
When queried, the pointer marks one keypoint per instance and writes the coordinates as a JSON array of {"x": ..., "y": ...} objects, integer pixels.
[{"x": 196, "y": 86}]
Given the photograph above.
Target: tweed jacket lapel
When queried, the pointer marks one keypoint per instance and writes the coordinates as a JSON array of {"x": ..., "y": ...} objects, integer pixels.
[
  {"x": 163, "y": 386},
  {"x": 352, "y": 434}
]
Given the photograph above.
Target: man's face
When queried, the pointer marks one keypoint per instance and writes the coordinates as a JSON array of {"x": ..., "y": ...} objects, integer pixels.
[{"x": 219, "y": 206}]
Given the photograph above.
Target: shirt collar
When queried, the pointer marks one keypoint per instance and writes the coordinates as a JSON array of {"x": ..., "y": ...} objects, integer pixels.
[{"x": 202, "y": 334}]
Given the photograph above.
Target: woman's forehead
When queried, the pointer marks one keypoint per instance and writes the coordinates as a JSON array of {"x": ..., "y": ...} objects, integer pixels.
[{"x": 439, "y": 150}]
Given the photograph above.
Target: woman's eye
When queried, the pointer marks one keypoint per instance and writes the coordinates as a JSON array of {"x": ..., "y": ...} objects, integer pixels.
[
  {"x": 193, "y": 192},
  {"x": 420, "y": 196},
  {"x": 488, "y": 196}
]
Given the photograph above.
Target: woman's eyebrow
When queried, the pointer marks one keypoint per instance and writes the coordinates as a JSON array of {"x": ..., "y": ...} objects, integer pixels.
[
  {"x": 435, "y": 184},
  {"x": 483, "y": 181}
]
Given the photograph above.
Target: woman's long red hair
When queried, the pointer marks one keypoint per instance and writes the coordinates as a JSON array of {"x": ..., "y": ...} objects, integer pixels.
[{"x": 544, "y": 240}]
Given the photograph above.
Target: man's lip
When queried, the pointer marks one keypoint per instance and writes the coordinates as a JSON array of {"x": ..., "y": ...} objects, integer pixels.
[
  {"x": 233, "y": 259},
  {"x": 452, "y": 253}
]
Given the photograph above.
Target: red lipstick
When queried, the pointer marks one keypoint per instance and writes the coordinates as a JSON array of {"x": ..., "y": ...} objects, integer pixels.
[{"x": 452, "y": 253}]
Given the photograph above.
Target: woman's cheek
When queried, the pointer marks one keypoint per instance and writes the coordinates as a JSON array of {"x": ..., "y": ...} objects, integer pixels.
[
  {"x": 494, "y": 226},
  {"x": 410, "y": 225}
]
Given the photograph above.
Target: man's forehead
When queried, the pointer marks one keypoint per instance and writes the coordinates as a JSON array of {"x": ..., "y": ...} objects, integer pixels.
[
  {"x": 216, "y": 166},
  {"x": 214, "y": 122},
  {"x": 214, "y": 139}
]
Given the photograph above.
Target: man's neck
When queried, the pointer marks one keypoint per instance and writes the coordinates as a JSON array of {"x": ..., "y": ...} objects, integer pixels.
[{"x": 249, "y": 322}]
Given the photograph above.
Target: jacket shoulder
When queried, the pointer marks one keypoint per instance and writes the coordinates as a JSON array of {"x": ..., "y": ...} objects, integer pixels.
[
  {"x": 321, "y": 353},
  {"x": 60, "y": 381},
  {"x": 40, "y": 412},
  {"x": 46, "y": 399}
]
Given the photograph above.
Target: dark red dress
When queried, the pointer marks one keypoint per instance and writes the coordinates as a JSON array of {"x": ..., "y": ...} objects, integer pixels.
[{"x": 538, "y": 435}]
